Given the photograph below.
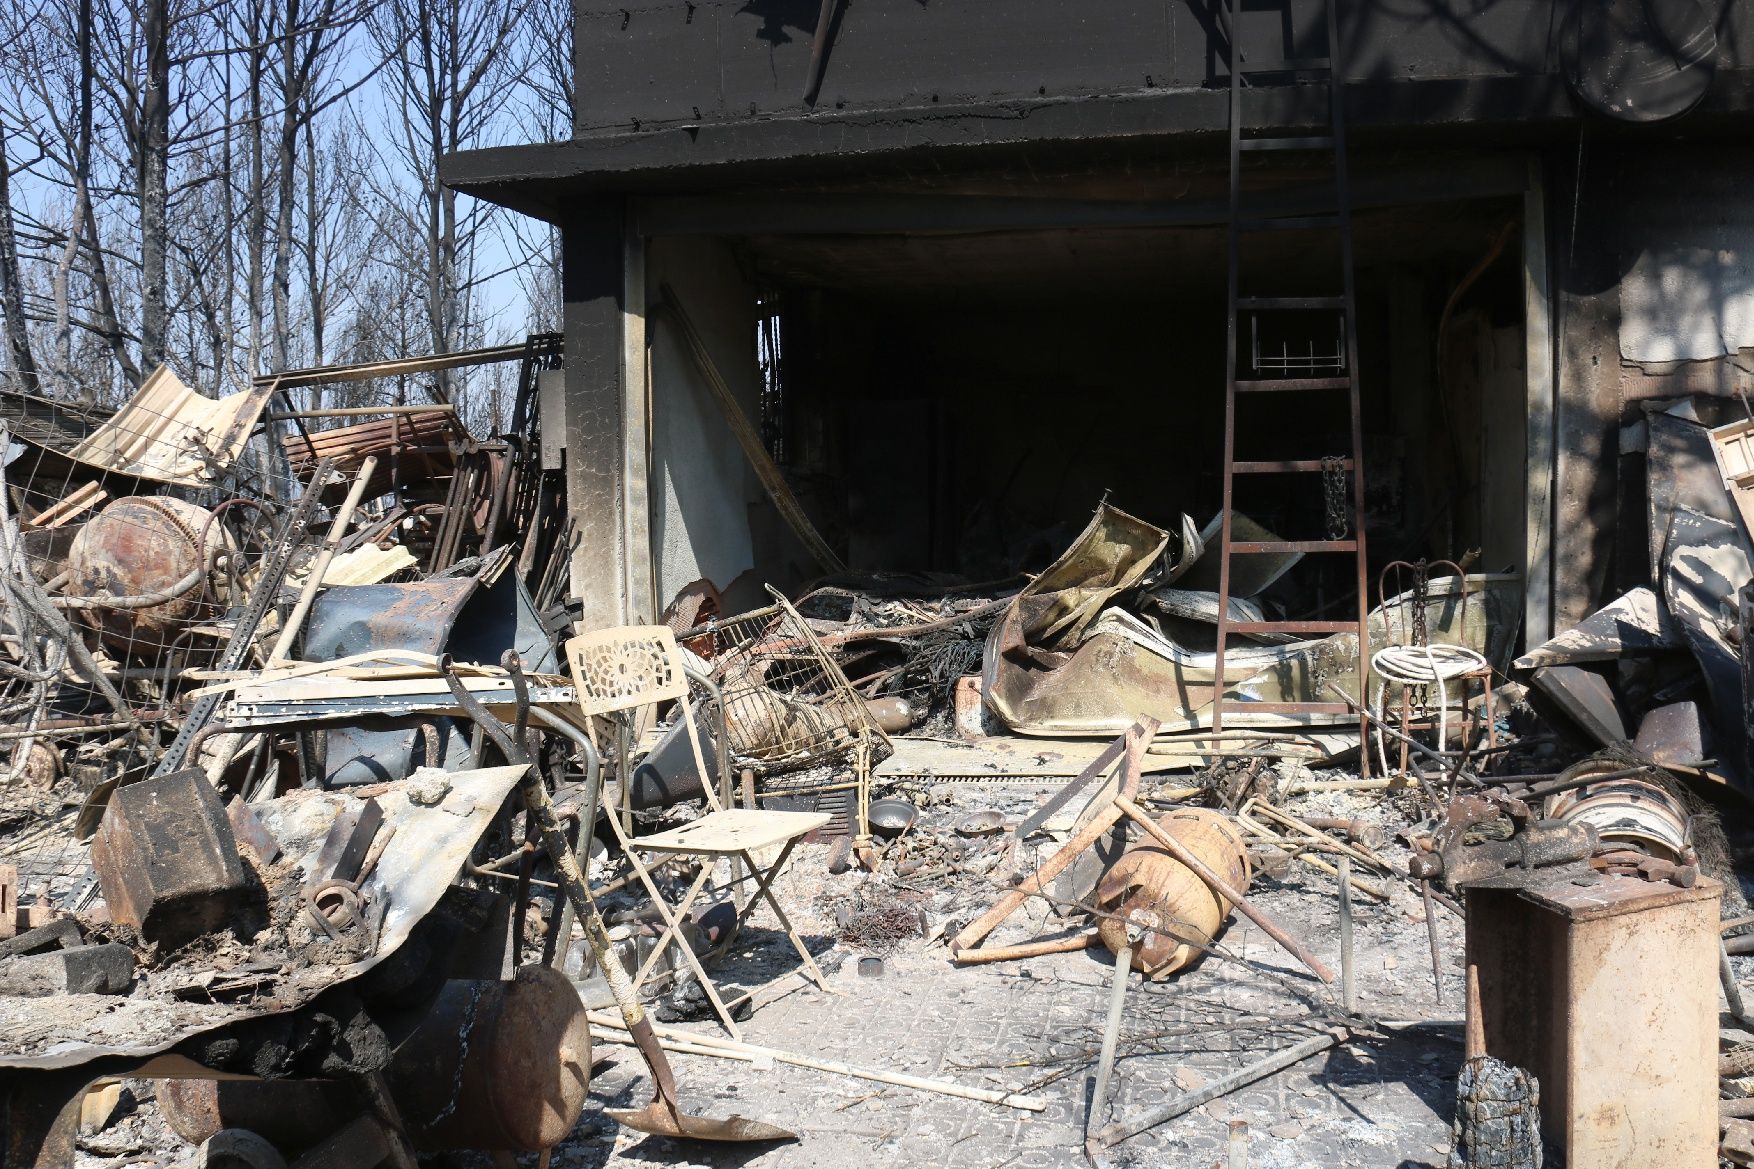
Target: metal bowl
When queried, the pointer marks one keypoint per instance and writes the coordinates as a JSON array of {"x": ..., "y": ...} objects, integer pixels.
[
  {"x": 891, "y": 817},
  {"x": 981, "y": 823}
]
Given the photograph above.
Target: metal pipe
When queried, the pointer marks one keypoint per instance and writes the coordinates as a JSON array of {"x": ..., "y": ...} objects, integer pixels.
[
  {"x": 1260, "y": 1070},
  {"x": 1348, "y": 974},
  {"x": 362, "y": 411},
  {"x": 1431, "y": 940},
  {"x": 593, "y": 764},
  {"x": 1111, "y": 1034}
]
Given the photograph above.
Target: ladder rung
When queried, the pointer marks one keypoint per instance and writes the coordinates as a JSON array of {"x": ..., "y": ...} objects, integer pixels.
[
  {"x": 1265, "y": 385},
  {"x": 1292, "y": 627},
  {"x": 1307, "y": 142},
  {"x": 1288, "y": 65},
  {"x": 1283, "y": 466},
  {"x": 1288, "y": 707},
  {"x": 1289, "y": 223},
  {"x": 1290, "y": 302},
  {"x": 1246, "y": 547}
]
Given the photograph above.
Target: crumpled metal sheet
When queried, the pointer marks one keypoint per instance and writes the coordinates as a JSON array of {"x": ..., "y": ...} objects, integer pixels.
[
  {"x": 1065, "y": 661},
  {"x": 1706, "y": 566},
  {"x": 169, "y": 433},
  {"x": 418, "y": 864},
  {"x": 356, "y": 619},
  {"x": 1682, "y": 475},
  {"x": 1628, "y": 626}
]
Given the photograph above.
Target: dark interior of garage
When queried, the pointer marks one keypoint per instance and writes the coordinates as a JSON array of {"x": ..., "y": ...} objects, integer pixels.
[{"x": 958, "y": 402}]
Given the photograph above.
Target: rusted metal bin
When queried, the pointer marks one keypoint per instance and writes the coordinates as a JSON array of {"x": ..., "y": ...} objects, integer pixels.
[{"x": 1164, "y": 898}]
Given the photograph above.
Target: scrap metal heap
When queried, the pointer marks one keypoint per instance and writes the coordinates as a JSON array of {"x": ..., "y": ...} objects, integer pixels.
[{"x": 310, "y": 780}]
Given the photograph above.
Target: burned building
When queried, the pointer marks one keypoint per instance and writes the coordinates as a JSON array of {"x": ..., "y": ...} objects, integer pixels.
[
  {"x": 967, "y": 271},
  {"x": 1385, "y": 344}
]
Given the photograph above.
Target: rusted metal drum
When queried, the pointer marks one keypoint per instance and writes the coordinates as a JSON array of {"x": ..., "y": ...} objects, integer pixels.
[
  {"x": 1165, "y": 899},
  {"x": 494, "y": 1066},
  {"x": 525, "y": 1052},
  {"x": 291, "y": 1114},
  {"x": 142, "y": 546}
]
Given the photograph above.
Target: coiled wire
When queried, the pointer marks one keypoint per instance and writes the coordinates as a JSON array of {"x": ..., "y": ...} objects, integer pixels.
[{"x": 1421, "y": 665}]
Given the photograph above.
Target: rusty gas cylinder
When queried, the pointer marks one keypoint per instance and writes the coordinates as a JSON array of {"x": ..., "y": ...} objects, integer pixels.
[
  {"x": 496, "y": 1065},
  {"x": 1164, "y": 899},
  {"x": 141, "y": 547}
]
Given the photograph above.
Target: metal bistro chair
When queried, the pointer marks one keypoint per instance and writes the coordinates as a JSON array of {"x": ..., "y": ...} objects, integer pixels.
[
  {"x": 1423, "y": 669},
  {"x": 619, "y": 671}
]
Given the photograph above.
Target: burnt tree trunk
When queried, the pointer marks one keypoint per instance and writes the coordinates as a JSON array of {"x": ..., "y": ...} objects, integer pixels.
[
  {"x": 153, "y": 178},
  {"x": 18, "y": 352}
]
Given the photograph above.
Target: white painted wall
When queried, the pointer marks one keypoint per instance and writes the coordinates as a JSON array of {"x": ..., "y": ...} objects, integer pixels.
[{"x": 701, "y": 485}]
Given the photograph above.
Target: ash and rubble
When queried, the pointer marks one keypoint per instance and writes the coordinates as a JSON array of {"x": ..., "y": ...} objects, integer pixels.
[{"x": 297, "y": 756}]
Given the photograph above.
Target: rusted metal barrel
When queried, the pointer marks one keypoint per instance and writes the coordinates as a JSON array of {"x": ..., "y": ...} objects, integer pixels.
[
  {"x": 496, "y": 1065},
  {"x": 290, "y": 1114},
  {"x": 1164, "y": 899},
  {"x": 493, "y": 1066},
  {"x": 142, "y": 547}
]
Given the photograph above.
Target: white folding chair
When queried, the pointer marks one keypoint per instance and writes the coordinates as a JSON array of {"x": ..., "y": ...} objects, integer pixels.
[{"x": 619, "y": 671}]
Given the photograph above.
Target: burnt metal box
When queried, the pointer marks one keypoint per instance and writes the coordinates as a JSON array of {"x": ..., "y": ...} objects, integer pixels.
[
  {"x": 1606, "y": 989},
  {"x": 167, "y": 860}
]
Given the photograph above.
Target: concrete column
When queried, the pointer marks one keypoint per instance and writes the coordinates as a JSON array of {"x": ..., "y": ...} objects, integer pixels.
[{"x": 593, "y": 285}]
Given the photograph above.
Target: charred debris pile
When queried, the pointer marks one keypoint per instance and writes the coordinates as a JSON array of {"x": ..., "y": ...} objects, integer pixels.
[{"x": 305, "y": 756}]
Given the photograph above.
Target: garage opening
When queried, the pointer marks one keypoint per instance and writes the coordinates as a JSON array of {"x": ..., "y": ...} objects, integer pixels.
[{"x": 957, "y": 403}]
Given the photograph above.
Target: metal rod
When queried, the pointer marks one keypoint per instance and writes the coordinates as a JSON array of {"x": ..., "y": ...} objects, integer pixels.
[
  {"x": 397, "y": 367},
  {"x": 1259, "y": 1070},
  {"x": 1111, "y": 1035},
  {"x": 985, "y": 954},
  {"x": 704, "y": 1044},
  {"x": 314, "y": 582},
  {"x": 1431, "y": 939},
  {"x": 363, "y": 411},
  {"x": 1348, "y": 974}
]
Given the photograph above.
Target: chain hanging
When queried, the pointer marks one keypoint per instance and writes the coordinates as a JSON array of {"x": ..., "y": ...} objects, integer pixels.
[
  {"x": 1334, "y": 496},
  {"x": 1421, "y": 599}
]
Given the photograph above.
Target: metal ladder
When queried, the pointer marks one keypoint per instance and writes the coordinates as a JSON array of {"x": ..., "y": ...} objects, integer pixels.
[{"x": 1332, "y": 144}]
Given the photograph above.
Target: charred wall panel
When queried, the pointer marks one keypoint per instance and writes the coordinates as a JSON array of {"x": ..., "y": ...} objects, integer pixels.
[{"x": 663, "y": 62}]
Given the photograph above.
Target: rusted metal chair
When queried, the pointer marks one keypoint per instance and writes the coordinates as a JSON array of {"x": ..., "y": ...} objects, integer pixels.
[
  {"x": 1420, "y": 667},
  {"x": 618, "y": 672}
]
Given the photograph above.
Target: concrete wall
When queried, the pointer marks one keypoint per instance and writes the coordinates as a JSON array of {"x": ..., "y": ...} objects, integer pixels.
[
  {"x": 1652, "y": 248},
  {"x": 702, "y": 490},
  {"x": 595, "y": 435}
]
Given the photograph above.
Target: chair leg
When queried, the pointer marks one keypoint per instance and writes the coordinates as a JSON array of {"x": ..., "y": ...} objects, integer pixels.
[
  {"x": 764, "y": 890},
  {"x": 688, "y": 955},
  {"x": 672, "y": 927}
]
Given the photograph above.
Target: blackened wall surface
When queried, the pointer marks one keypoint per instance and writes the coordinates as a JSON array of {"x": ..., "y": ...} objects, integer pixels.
[{"x": 658, "y": 62}]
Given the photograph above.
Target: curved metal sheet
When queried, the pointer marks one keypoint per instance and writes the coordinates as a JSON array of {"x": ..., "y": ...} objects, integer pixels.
[{"x": 418, "y": 864}]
